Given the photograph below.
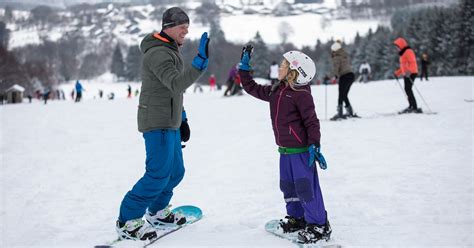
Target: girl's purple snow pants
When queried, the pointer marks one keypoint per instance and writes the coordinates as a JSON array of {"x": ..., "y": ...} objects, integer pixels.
[{"x": 300, "y": 186}]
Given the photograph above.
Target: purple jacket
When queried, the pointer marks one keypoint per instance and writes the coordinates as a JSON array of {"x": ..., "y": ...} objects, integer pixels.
[{"x": 293, "y": 114}]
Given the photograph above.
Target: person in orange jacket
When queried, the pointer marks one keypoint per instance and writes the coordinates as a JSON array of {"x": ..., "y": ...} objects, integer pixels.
[{"x": 409, "y": 70}]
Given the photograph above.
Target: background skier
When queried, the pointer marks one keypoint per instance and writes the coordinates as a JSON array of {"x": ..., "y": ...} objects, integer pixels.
[
  {"x": 296, "y": 130},
  {"x": 341, "y": 68},
  {"x": 79, "y": 90},
  {"x": 273, "y": 74},
  {"x": 165, "y": 76},
  {"x": 425, "y": 62},
  {"x": 364, "y": 71},
  {"x": 409, "y": 71},
  {"x": 212, "y": 82}
]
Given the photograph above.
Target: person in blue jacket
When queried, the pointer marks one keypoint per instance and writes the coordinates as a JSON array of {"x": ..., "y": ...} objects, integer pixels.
[{"x": 79, "y": 90}]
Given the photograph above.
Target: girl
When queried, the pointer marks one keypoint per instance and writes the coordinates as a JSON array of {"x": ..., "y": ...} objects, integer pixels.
[{"x": 296, "y": 130}]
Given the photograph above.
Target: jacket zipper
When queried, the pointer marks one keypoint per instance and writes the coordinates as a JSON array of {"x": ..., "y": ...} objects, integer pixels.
[
  {"x": 292, "y": 131},
  {"x": 277, "y": 112}
]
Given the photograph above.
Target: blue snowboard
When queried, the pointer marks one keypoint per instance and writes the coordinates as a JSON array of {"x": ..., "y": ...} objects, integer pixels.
[
  {"x": 192, "y": 214},
  {"x": 274, "y": 228}
]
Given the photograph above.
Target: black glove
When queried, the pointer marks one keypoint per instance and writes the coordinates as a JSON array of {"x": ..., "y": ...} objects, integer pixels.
[{"x": 184, "y": 130}]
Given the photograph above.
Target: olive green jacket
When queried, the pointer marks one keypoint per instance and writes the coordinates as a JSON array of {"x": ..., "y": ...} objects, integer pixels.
[
  {"x": 164, "y": 80},
  {"x": 341, "y": 63}
]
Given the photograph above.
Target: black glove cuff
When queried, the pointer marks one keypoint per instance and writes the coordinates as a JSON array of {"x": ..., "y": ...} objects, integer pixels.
[{"x": 185, "y": 131}]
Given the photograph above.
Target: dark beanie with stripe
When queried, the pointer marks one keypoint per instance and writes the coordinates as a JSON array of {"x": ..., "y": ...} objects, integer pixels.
[{"x": 173, "y": 17}]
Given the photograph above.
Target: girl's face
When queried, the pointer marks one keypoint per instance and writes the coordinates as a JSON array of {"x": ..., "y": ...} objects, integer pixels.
[{"x": 283, "y": 69}]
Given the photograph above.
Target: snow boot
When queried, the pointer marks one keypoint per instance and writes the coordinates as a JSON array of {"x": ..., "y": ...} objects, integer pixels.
[
  {"x": 292, "y": 224},
  {"x": 136, "y": 229},
  {"x": 165, "y": 218},
  {"x": 406, "y": 111},
  {"x": 418, "y": 111},
  {"x": 314, "y": 233},
  {"x": 350, "y": 112},
  {"x": 339, "y": 114}
]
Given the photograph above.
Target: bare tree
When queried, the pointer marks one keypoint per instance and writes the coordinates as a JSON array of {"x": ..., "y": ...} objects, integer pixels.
[{"x": 285, "y": 30}]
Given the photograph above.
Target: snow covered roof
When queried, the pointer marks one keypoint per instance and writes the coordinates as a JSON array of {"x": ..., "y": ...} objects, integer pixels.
[{"x": 15, "y": 87}]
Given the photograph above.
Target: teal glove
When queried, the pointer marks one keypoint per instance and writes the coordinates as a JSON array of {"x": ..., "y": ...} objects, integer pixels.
[
  {"x": 316, "y": 155},
  {"x": 245, "y": 58}
]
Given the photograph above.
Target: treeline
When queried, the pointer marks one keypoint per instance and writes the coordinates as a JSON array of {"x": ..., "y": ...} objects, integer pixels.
[
  {"x": 381, "y": 8},
  {"x": 444, "y": 33}
]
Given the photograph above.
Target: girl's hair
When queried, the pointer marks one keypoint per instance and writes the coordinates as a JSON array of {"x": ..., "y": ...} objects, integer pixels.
[{"x": 291, "y": 76}]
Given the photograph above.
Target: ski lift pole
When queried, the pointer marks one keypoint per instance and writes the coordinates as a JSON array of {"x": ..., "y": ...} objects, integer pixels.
[{"x": 422, "y": 98}]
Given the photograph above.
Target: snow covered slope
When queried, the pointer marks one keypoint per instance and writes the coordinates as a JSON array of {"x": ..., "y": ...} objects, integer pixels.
[{"x": 391, "y": 180}]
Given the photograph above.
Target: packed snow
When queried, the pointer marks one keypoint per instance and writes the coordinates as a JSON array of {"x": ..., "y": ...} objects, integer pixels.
[{"x": 392, "y": 180}]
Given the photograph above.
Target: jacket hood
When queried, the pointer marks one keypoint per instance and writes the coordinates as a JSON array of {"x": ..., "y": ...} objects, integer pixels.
[
  {"x": 155, "y": 39},
  {"x": 400, "y": 43}
]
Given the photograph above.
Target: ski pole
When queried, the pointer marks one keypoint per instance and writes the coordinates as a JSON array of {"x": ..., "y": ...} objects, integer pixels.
[
  {"x": 419, "y": 93},
  {"x": 326, "y": 101},
  {"x": 399, "y": 85}
]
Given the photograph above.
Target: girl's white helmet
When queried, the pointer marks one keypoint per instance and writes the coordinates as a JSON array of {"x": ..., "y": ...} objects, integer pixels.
[{"x": 303, "y": 64}]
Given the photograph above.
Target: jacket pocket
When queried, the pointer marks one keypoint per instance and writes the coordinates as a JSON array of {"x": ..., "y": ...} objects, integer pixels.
[
  {"x": 142, "y": 116},
  {"x": 172, "y": 108},
  {"x": 159, "y": 112},
  {"x": 292, "y": 132}
]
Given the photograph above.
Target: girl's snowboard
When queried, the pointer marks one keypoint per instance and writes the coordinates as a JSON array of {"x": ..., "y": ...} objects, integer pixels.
[
  {"x": 274, "y": 228},
  {"x": 192, "y": 214}
]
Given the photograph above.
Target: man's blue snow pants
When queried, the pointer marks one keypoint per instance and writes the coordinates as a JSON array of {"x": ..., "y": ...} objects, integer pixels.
[
  {"x": 164, "y": 171},
  {"x": 300, "y": 186}
]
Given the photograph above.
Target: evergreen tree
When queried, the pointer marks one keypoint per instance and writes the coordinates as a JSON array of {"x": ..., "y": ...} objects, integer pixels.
[
  {"x": 8, "y": 13},
  {"x": 91, "y": 66},
  {"x": 4, "y": 35},
  {"x": 133, "y": 64},
  {"x": 260, "y": 58},
  {"x": 465, "y": 37},
  {"x": 118, "y": 66}
]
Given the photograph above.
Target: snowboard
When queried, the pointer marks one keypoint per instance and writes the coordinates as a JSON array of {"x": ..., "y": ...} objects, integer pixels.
[
  {"x": 192, "y": 214},
  {"x": 274, "y": 228}
]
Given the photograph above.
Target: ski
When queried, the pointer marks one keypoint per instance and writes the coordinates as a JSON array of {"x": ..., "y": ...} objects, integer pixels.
[{"x": 345, "y": 117}]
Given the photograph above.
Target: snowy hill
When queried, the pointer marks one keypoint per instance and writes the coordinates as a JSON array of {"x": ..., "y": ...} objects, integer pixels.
[
  {"x": 399, "y": 180},
  {"x": 305, "y": 23}
]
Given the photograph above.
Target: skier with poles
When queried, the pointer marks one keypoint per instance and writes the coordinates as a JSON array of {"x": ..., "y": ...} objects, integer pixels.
[
  {"x": 409, "y": 70},
  {"x": 160, "y": 114},
  {"x": 297, "y": 133},
  {"x": 341, "y": 68}
]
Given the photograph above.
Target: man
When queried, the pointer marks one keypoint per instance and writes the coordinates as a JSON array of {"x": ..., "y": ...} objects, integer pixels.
[
  {"x": 409, "y": 70},
  {"x": 165, "y": 77}
]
